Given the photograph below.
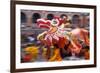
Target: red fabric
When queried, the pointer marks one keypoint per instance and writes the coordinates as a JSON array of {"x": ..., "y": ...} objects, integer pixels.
[{"x": 43, "y": 23}]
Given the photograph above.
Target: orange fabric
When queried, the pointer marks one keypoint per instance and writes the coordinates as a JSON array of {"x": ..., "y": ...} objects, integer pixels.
[
  {"x": 87, "y": 55},
  {"x": 62, "y": 42}
]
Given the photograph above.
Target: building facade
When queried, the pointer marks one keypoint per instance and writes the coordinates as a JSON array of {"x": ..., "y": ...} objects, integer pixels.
[{"x": 29, "y": 18}]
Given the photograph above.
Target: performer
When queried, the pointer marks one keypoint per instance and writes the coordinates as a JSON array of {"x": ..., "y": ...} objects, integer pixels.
[{"x": 54, "y": 35}]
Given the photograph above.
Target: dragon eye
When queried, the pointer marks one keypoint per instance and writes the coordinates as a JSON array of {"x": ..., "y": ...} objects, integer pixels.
[{"x": 54, "y": 22}]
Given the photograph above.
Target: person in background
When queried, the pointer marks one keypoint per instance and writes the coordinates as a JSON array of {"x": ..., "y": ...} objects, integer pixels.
[{"x": 66, "y": 21}]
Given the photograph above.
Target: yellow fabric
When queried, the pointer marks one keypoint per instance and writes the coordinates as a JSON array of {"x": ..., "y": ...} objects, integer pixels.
[
  {"x": 56, "y": 56},
  {"x": 33, "y": 51}
]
